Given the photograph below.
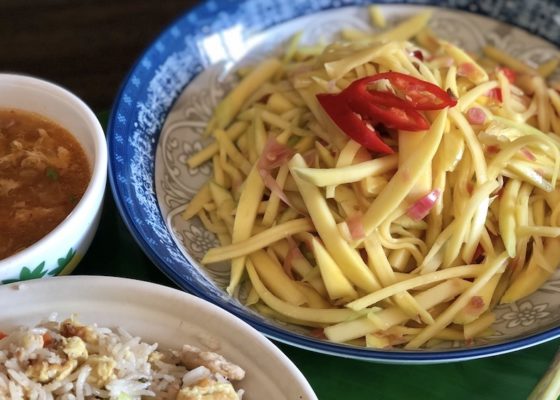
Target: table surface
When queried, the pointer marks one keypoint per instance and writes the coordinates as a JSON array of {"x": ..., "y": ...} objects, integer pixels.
[{"x": 88, "y": 46}]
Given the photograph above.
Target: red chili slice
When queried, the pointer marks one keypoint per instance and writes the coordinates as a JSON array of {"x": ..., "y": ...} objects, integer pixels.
[
  {"x": 351, "y": 124},
  {"x": 418, "y": 94},
  {"x": 495, "y": 94},
  {"x": 418, "y": 54},
  {"x": 357, "y": 105},
  {"x": 421, "y": 95},
  {"x": 390, "y": 110}
]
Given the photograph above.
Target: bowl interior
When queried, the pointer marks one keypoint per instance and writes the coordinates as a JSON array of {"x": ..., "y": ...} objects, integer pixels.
[
  {"x": 162, "y": 110},
  {"x": 53, "y": 102}
]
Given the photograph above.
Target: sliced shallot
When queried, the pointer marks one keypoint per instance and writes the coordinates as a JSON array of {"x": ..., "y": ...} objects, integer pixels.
[
  {"x": 292, "y": 254},
  {"x": 528, "y": 154},
  {"x": 466, "y": 69},
  {"x": 273, "y": 156},
  {"x": 422, "y": 207},
  {"x": 476, "y": 116},
  {"x": 356, "y": 226}
]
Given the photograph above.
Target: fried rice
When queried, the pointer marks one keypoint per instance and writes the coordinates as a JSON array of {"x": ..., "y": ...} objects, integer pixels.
[{"x": 67, "y": 360}]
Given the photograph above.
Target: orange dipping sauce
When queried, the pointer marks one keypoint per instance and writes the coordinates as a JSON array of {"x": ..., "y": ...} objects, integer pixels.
[{"x": 43, "y": 174}]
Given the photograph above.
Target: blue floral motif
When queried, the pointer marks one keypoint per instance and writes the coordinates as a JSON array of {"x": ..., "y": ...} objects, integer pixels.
[
  {"x": 163, "y": 71},
  {"x": 121, "y": 118}
]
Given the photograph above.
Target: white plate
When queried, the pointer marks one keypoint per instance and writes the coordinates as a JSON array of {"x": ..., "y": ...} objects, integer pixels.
[{"x": 158, "y": 314}]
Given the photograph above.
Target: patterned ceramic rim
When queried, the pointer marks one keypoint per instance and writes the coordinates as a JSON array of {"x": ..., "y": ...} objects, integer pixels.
[{"x": 138, "y": 116}]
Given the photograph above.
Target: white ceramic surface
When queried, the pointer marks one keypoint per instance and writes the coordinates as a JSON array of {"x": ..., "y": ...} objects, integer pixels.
[
  {"x": 61, "y": 249},
  {"x": 158, "y": 314}
]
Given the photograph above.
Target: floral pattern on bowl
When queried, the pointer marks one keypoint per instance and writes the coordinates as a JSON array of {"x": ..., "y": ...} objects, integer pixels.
[{"x": 62, "y": 266}]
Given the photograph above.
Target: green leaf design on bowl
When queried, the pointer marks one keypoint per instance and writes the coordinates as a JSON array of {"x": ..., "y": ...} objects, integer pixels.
[
  {"x": 26, "y": 274},
  {"x": 39, "y": 271},
  {"x": 63, "y": 262}
]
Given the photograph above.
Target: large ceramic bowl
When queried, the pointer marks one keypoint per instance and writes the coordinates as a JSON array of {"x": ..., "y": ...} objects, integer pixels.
[
  {"x": 162, "y": 315},
  {"x": 60, "y": 250},
  {"x": 168, "y": 97}
]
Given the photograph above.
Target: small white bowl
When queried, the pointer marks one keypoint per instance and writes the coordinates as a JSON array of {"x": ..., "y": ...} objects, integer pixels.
[{"x": 60, "y": 250}]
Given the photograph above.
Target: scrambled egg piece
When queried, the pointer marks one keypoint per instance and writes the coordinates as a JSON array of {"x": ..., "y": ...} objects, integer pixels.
[
  {"x": 208, "y": 390},
  {"x": 102, "y": 370},
  {"x": 155, "y": 357},
  {"x": 75, "y": 348},
  {"x": 42, "y": 371},
  {"x": 69, "y": 328}
]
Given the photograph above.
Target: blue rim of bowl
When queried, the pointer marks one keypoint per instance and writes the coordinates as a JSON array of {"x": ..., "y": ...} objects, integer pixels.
[{"x": 206, "y": 12}]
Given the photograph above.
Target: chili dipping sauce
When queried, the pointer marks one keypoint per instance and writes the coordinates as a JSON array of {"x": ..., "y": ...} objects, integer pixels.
[{"x": 43, "y": 174}]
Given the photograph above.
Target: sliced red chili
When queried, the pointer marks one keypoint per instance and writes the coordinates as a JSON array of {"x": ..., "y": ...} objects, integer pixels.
[
  {"x": 418, "y": 54},
  {"x": 495, "y": 94},
  {"x": 357, "y": 105},
  {"x": 352, "y": 124},
  {"x": 390, "y": 110},
  {"x": 420, "y": 94}
]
